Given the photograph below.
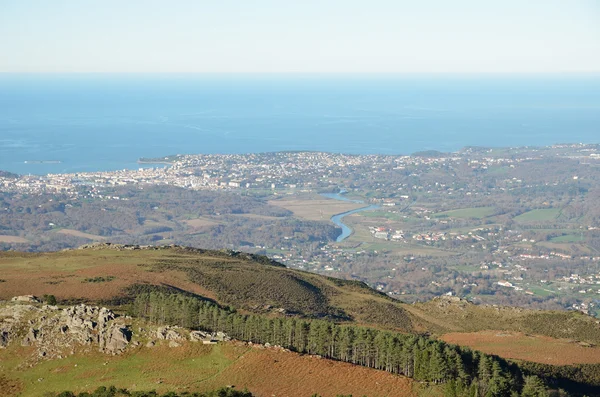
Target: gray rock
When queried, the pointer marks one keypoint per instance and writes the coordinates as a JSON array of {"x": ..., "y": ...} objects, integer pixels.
[
  {"x": 31, "y": 337},
  {"x": 115, "y": 339},
  {"x": 168, "y": 333},
  {"x": 221, "y": 336},
  {"x": 4, "y": 338},
  {"x": 198, "y": 336},
  {"x": 25, "y": 298}
]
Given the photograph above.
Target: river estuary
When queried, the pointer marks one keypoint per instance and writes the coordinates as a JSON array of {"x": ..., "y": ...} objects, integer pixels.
[{"x": 337, "y": 219}]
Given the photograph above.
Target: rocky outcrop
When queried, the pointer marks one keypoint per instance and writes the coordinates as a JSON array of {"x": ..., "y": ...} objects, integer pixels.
[
  {"x": 169, "y": 333},
  {"x": 199, "y": 336},
  {"x": 31, "y": 337},
  {"x": 11, "y": 320},
  {"x": 206, "y": 337},
  {"x": 4, "y": 338},
  {"x": 54, "y": 332},
  {"x": 26, "y": 298},
  {"x": 114, "y": 339}
]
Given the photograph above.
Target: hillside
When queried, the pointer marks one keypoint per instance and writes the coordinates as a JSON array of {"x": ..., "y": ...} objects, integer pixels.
[
  {"x": 113, "y": 274},
  {"x": 105, "y": 273},
  {"x": 79, "y": 348},
  {"x": 461, "y": 316}
]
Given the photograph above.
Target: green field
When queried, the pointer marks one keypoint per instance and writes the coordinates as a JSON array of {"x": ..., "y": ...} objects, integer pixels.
[
  {"x": 468, "y": 268},
  {"x": 540, "y": 291},
  {"x": 476, "y": 212},
  {"x": 498, "y": 170},
  {"x": 569, "y": 238},
  {"x": 546, "y": 214},
  {"x": 145, "y": 369},
  {"x": 382, "y": 214}
]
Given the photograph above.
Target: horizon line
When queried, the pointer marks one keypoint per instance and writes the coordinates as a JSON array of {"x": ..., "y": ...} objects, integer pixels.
[{"x": 303, "y": 74}]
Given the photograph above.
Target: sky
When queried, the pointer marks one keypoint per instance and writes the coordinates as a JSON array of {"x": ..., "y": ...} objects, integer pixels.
[{"x": 293, "y": 36}]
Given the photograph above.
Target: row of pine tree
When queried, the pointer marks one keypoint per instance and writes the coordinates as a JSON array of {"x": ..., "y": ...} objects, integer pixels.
[{"x": 463, "y": 371}]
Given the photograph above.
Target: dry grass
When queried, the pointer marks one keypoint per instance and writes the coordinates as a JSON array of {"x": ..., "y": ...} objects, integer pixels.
[
  {"x": 517, "y": 345},
  {"x": 200, "y": 222},
  {"x": 13, "y": 239},
  {"x": 62, "y": 273},
  {"x": 271, "y": 372},
  {"x": 192, "y": 367},
  {"x": 256, "y": 216},
  {"x": 569, "y": 248},
  {"x": 77, "y": 233},
  {"x": 227, "y": 280},
  {"x": 317, "y": 209}
]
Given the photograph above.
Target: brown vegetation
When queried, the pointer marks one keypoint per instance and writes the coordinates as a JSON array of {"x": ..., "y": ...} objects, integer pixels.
[
  {"x": 9, "y": 387},
  {"x": 13, "y": 239},
  {"x": 200, "y": 222},
  {"x": 77, "y": 233},
  {"x": 520, "y": 346},
  {"x": 273, "y": 372},
  {"x": 62, "y": 273}
]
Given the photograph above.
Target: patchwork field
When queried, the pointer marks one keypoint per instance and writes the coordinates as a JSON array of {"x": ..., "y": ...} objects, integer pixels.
[
  {"x": 476, "y": 213},
  {"x": 200, "y": 222},
  {"x": 192, "y": 367},
  {"x": 77, "y": 233},
  {"x": 569, "y": 238},
  {"x": 569, "y": 248},
  {"x": 317, "y": 209},
  {"x": 520, "y": 346},
  {"x": 543, "y": 214},
  {"x": 13, "y": 239},
  {"x": 256, "y": 216}
]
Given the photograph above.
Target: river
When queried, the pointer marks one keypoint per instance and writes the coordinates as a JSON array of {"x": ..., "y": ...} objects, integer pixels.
[{"x": 337, "y": 219}]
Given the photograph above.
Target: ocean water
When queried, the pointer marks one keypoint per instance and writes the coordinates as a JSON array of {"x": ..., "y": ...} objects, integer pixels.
[{"x": 96, "y": 122}]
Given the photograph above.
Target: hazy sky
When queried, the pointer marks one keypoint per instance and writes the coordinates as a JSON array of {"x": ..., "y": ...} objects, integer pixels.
[{"x": 350, "y": 36}]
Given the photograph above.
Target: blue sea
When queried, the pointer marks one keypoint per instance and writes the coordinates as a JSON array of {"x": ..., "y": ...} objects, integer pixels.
[{"x": 107, "y": 122}]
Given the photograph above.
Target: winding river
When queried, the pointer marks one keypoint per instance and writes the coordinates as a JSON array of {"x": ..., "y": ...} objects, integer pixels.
[{"x": 337, "y": 219}]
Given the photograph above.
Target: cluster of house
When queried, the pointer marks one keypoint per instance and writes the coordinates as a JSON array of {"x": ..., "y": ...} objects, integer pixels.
[{"x": 386, "y": 233}]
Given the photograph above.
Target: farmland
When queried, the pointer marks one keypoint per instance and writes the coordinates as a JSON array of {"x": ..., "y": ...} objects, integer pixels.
[
  {"x": 13, "y": 239},
  {"x": 200, "y": 222},
  {"x": 538, "y": 215},
  {"x": 315, "y": 208},
  {"x": 475, "y": 213},
  {"x": 76, "y": 233}
]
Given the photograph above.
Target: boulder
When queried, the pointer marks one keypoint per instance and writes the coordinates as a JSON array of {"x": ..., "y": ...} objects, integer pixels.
[
  {"x": 4, "y": 338},
  {"x": 26, "y": 298},
  {"x": 198, "y": 336},
  {"x": 115, "y": 339},
  {"x": 31, "y": 337},
  {"x": 168, "y": 333},
  {"x": 221, "y": 336},
  {"x": 105, "y": 315}
]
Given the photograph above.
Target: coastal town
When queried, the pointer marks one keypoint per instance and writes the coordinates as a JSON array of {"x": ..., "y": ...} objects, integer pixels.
[
  {"x": 483, "y": 223},
  {"x": 287, "y": 170}
]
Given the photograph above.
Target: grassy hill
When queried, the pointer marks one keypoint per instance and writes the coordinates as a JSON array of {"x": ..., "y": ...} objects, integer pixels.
[
  {"x": 459, "y": 315},
  {"x": 106, "y": 273},
  {"x": 192, "y": 367},
  {"x": 253, "y": 284}
]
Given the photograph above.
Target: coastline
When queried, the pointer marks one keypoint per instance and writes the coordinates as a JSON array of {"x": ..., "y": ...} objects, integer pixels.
[{"x": 155, "y": 162}]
